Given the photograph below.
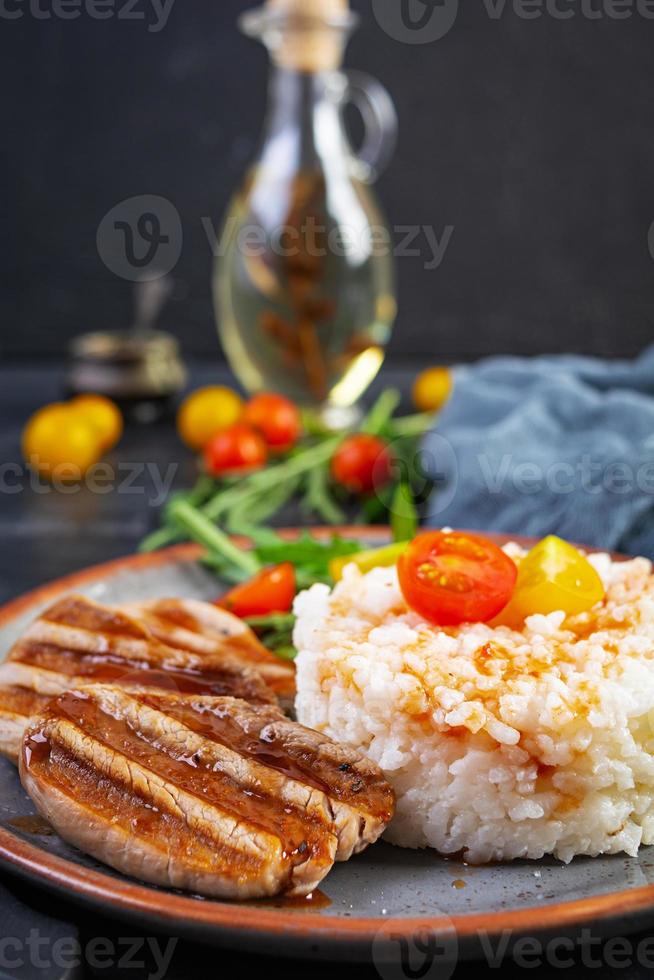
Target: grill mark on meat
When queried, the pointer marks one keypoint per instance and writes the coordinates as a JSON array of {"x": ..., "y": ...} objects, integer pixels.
[
  {"x": 15, "y": 700},
  {"x": 78, "y": 612},
  {"x": 121, "y": 808},
  {"x": 125, "y": 769},
  {"x": 199, "y": 625},
  {"x": 76, "y": 624},
  {"x": 218, "y": 725},
  {"x": 300, "y": 755},
  {"x": 190, "y": 624},
  {"x": 152, "y": 717},
  {"x": 247, "y": 736},
  {"x": 122, "y": 724},
  {"x": 46, "y": 636},
  {"x": 16, "y": 706},
  {"x": 138, "y": 783},
  {"x": 217, "y": 676},
  {"x": 78, "y": 641}
]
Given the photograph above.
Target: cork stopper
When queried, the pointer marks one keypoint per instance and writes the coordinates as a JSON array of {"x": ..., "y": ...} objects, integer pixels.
[
  {"x": 304, "y": 35},
  {"x": 310, "y": 8}
]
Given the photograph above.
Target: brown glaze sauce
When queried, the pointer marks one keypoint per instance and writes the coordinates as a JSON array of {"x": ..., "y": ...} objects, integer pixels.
[
  {"x": 300, "y": 835},
  {"x": 86, "y": 615},
  {"x": 32, "y": 824},
  {"x": 244, "y": 647},
  {"x": 115, "y": 805},
  {"x": 166, "y": 612},
  {"x": 243, "y": 644},
  {"x": 316, "y": 901},
  {"x": 300, "y": 762},
  {"x": 20, "y": 701},
  {"x": 220, "y": 727},
  {"x": 118, "y": 807},
  {"x": 227, "y": 680}
]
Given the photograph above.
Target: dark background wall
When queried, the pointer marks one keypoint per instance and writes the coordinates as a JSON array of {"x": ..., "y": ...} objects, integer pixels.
[{"x": 534, "y": 138}]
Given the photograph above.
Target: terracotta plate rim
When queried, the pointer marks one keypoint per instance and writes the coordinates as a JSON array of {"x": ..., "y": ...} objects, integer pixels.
[{"x": 216, "y": 919}]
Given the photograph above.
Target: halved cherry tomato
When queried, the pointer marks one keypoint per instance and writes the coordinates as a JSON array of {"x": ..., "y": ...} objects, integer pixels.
[
  {"x": 276, "y": 418},
  {"x": 238, "y": 449},
  {"x": 450, "y": 577},
  {"x": 271, "y": 590},
  {"x": 553, "y": 577},
  {"x": 362, "y": 463}
]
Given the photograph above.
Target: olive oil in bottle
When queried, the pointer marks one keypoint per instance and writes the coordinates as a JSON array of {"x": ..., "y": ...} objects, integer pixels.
[{"x": 304, "y": 285}]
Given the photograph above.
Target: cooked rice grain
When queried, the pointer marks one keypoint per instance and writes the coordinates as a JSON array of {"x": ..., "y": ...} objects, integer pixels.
[{"x": 499, "y": 744}]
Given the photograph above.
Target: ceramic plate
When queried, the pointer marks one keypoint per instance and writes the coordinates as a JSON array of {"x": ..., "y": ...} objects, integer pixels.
[{"x": 372, "y": 906}]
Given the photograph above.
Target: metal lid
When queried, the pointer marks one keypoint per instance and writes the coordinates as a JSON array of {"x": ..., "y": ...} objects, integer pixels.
[{"x": 124, "y": 346}]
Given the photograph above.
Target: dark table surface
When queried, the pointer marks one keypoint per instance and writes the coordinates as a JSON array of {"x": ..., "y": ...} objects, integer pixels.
[{"x": 46, "y": 534}]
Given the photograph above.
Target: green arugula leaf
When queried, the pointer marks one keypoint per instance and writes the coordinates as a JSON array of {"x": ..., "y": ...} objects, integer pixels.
[
  {"x": 310, "y": 557},
  {"x": 275, "y": 632},
  {"x": 403, "y": 513}
]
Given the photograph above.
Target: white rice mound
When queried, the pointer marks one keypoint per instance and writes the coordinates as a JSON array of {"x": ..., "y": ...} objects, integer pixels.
[{"x": 499, "y": 744}]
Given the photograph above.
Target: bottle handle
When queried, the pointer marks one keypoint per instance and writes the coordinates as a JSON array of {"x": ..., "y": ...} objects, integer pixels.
[{"x": 379, "y": 119}]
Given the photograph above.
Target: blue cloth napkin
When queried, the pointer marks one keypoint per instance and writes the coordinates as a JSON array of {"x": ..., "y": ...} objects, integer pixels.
[{"x": 554, "y": 445}]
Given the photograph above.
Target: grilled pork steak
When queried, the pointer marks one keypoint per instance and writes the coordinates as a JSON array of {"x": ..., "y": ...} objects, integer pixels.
[
  {"x": 17, "y": 705},
  {"x": 78, "y": 641},
  {"x": 213, "y": 795},
  {"x": 191, "y": 624}
]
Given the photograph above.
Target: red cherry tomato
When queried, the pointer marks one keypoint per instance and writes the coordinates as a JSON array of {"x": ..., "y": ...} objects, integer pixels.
[
  {"x": 450, "y": 577},
  {"x": 276, "y": 418},
  {"x": 237, "y": 449},
  {"x": 362, "y": 463},
  {"x": 270, "y": 591}
]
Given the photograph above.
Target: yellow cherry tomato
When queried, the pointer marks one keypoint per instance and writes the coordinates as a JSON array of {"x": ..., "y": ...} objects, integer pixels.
[
  {"x": 552, "y": 577},
  {"x": 103, "y": 414},
  {"x": 207, "y": 411},
  {"x": 432, "y": 389},
  {"x": 365, "y": 561},
  {"x": 59, "y": 443}
]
